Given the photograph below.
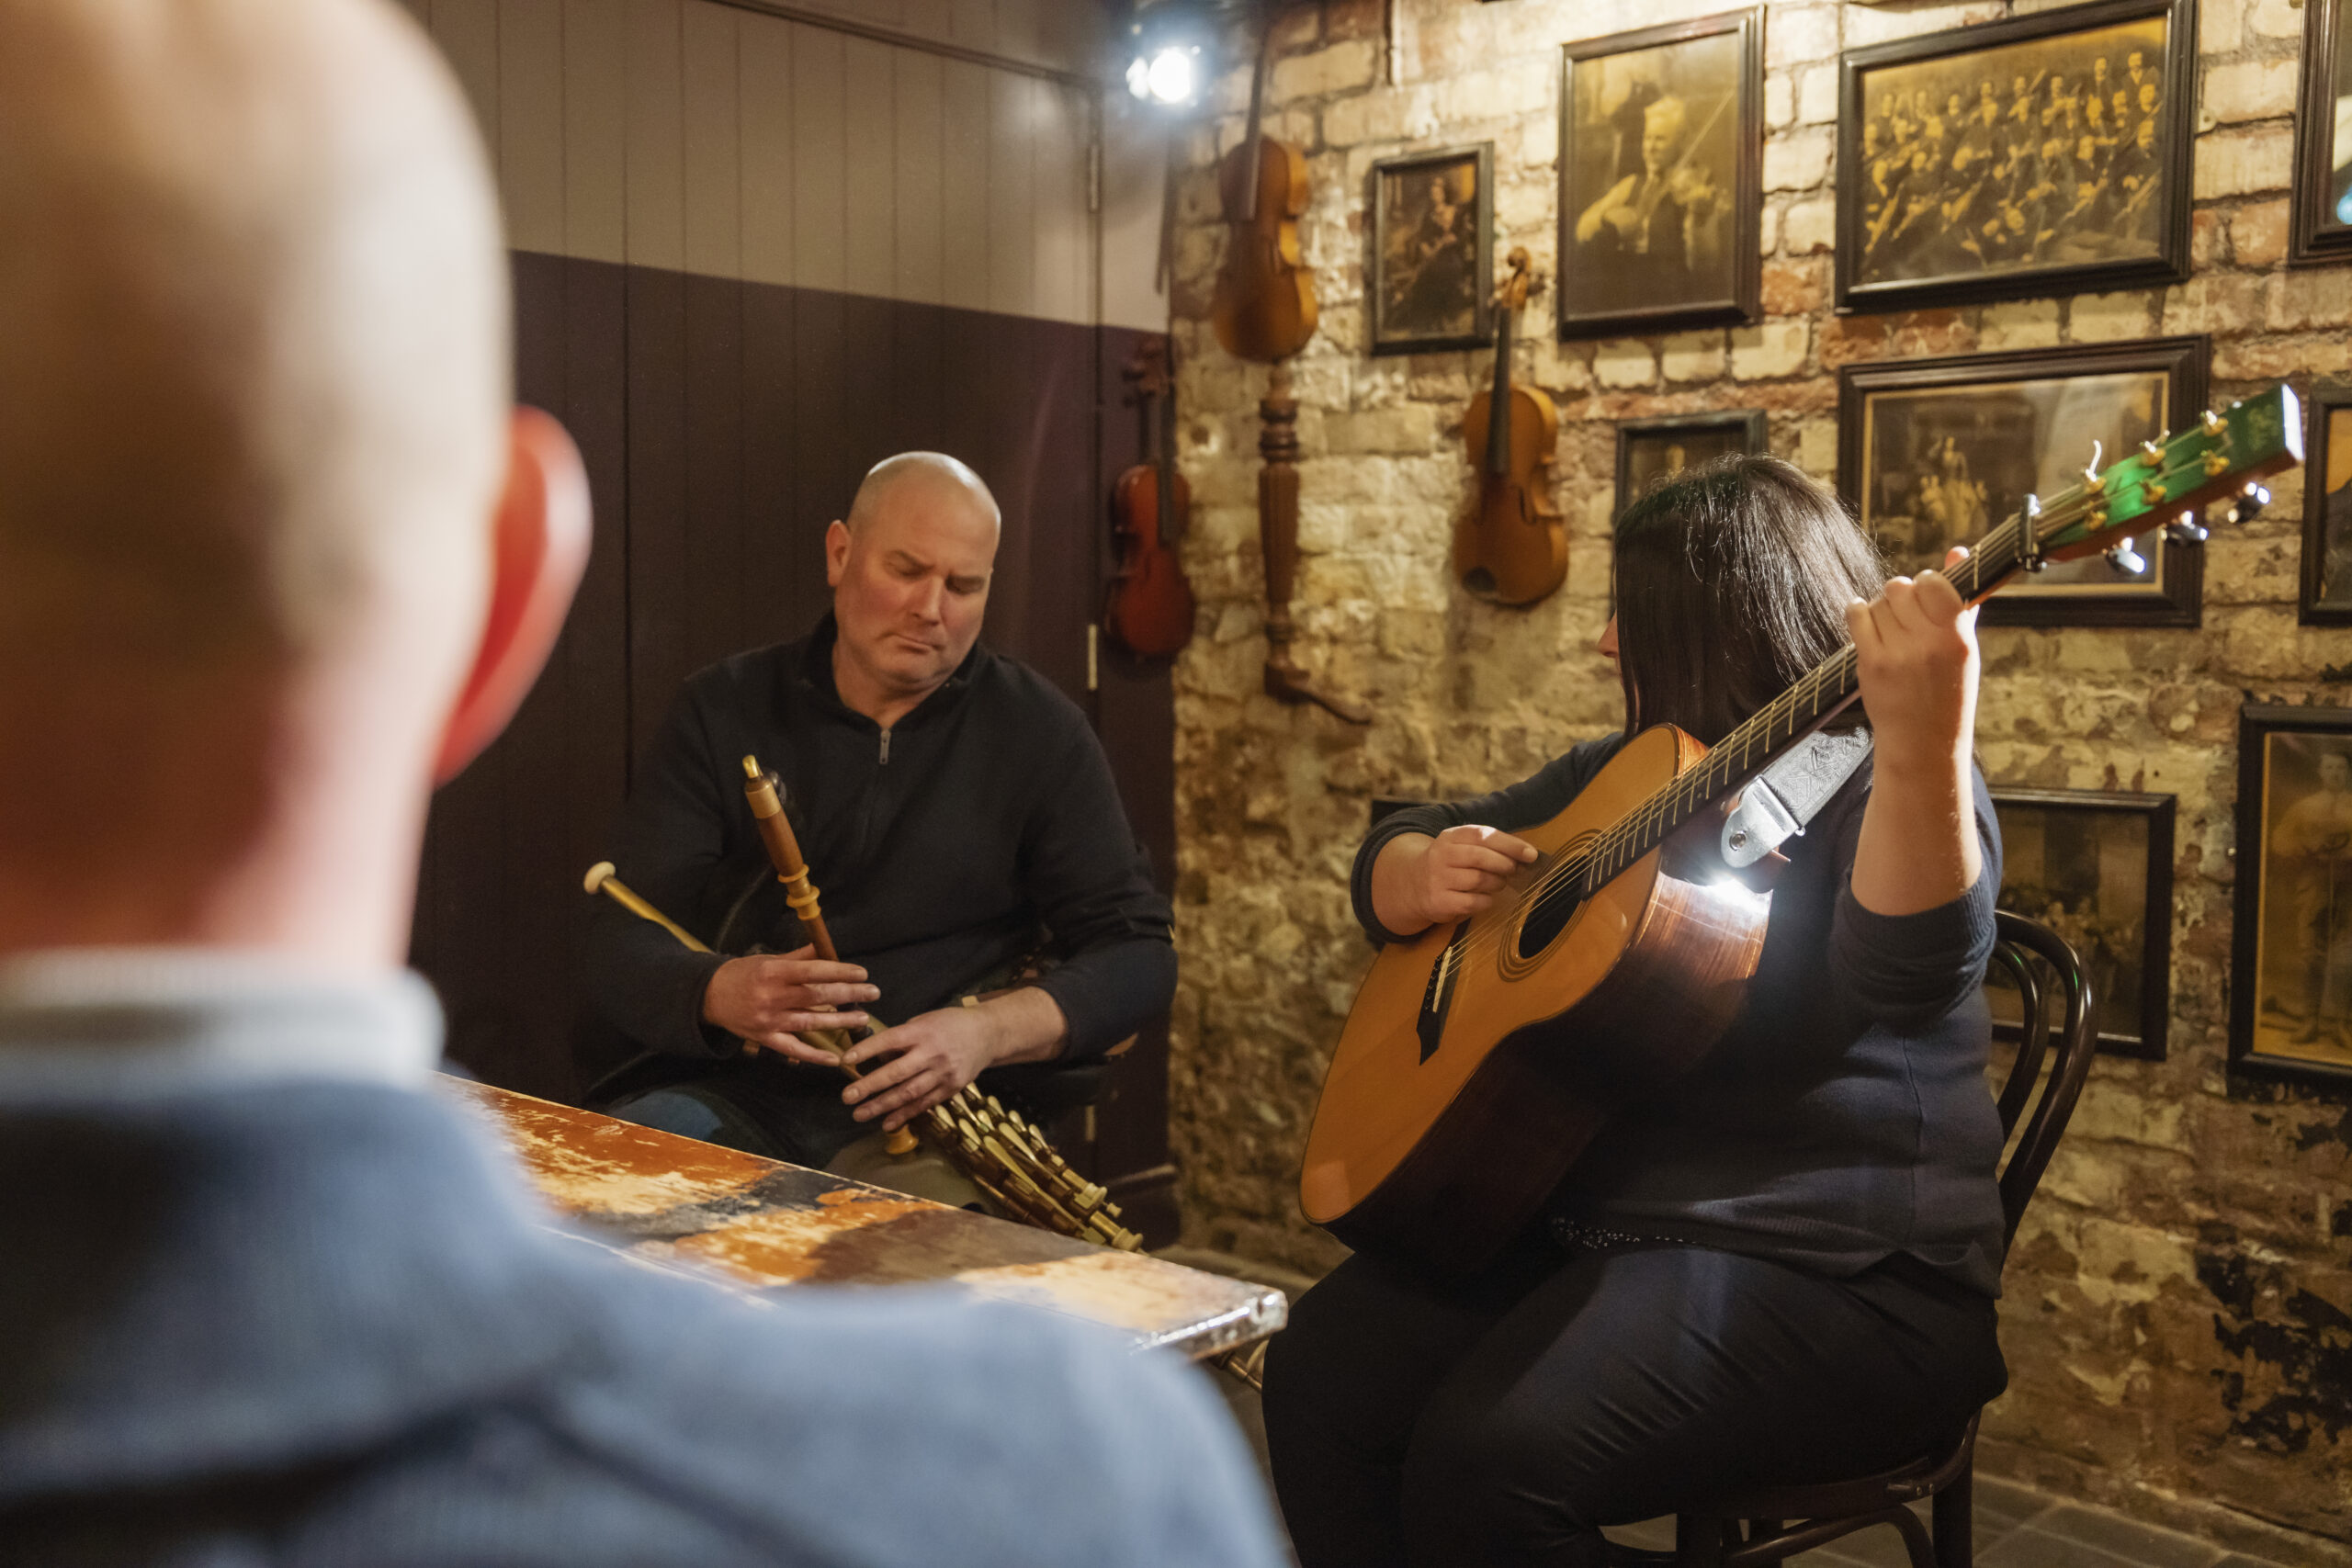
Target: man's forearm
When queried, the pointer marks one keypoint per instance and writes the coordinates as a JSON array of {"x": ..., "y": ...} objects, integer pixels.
[{"x": 1025, "y": 1025}]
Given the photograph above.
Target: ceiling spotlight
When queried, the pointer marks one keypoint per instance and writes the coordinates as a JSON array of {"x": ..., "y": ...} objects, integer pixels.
[
  {"x": 1170, "y": 76},
  {"x": 1168, "y": 60}
]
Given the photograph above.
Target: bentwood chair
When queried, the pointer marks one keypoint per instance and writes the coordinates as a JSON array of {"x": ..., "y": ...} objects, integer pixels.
[{"x": 1754, "y": 1527}]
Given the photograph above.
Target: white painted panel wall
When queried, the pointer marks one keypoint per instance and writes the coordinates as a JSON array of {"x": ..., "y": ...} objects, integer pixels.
[{"x": 701, "y": 137}]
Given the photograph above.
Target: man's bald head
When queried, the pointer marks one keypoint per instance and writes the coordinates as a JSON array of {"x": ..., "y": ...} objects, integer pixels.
[
  {"x": 254, "y": 434},
  {"x": 254, "y": 317},
  {"x": 934, "y": 472}
]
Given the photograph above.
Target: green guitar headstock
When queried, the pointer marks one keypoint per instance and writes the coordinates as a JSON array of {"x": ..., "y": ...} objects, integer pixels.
[{"x": 2165, "y": 483}]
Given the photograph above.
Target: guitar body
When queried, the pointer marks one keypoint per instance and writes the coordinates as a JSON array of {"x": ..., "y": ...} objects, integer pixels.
[
  {"x": 1148, "y": 610},
  {"x": 1514, "y": 547},
  {"x": 1264, "y": 308},
  {"x": 1479, "y": 1059}
]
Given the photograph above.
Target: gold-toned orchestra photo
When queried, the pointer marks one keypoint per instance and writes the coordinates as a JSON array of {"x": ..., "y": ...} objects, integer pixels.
[
  {"x": 2038, "y": 155},
  {"x": 1175, "y": 784}
]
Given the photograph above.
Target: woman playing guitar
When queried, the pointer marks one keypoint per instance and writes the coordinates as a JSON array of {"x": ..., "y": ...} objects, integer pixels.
[{"x": 1783, "y": 1267}]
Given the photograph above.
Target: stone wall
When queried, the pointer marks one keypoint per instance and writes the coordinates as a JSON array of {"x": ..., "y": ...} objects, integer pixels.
[{"x": 2177, "y": 1310}]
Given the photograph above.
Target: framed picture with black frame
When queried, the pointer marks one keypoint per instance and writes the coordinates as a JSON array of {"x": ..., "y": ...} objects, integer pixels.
[
  {"x": 1662, "y": 177},
  {"x": 2320, "y": 214},
  {"x": 2327, "y": 598},
  {"x": 1650, "y": 451},
  {"x": 2290, "y": 970},
  {"x": 1433, "y": 250},
  {"x": 2046, "y": 155},
  {"x": 2096, "y": 867},
  {"x": 1934, "y": 453}
]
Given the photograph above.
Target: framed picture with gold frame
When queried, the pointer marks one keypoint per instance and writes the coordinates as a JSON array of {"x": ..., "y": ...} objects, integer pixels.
[
  {"x": 1662, "y": 176},
  {"x": 2096, "y": 867},
  {"x": 2045, "y": 154},
  {"x": 1433, "y": 250},
  {"x": 1934, "y": 453},
  {"x": 2327, "y": 599},
  {"x": 2291, "y": 973},
  {"x": 1650, "y": 451},
  {"x": 2319, "y": 225}
]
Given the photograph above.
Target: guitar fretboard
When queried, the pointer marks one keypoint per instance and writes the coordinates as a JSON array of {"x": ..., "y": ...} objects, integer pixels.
[{"x": 1816, "y": 697}]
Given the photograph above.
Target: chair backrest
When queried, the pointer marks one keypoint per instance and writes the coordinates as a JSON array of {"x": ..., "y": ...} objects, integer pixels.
[{"x": 2064, "y": 1044}]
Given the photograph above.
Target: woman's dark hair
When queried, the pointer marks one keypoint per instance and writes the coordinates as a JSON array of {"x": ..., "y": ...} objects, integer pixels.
[{"x": 1732, "y": 580}]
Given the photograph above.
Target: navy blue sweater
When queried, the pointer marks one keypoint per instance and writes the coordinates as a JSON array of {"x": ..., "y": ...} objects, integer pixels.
[{"x": 1845, "y": 1116}]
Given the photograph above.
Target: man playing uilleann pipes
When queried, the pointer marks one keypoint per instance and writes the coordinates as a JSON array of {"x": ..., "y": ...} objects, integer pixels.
[{"x": 955, "y": 809}]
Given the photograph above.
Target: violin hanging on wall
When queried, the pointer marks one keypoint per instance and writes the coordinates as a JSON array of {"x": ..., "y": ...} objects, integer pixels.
[
  {"x": 1512, "y": 547},
  {"x": 1148, "y": 610},
  {"x": 1264, "y": 306}
]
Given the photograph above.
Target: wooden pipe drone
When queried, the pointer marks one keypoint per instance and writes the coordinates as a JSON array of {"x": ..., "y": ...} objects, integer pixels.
[{"x": 761, "y": 791}]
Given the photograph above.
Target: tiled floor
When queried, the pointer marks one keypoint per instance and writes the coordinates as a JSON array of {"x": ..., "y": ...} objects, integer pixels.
[{"x": 2016, "y": 1528}]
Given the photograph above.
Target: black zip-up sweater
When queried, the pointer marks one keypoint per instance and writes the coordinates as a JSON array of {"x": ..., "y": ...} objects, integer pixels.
[
  {"x": 1844, "y": 1116},
  {"x": 940, "y": 848}
]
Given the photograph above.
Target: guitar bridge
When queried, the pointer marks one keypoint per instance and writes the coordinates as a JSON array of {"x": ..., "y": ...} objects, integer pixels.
[{"x": 1437, "y": 998}]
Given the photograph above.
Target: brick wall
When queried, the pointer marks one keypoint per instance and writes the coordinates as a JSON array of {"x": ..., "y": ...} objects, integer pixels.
[{"x": 2177, "y": 1312}]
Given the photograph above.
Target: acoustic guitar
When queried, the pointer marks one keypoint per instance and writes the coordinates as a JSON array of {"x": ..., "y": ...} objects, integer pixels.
[
  {"x": 1481, "y": 1057},
  {"x": 1148, "y": 609},
  {"x": 1512, "y": 547},
  {"x": 1264, "y": 306}
]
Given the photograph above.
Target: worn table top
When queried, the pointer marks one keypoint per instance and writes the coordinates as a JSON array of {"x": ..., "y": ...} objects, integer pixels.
[{"x": 758, "y": 1224}]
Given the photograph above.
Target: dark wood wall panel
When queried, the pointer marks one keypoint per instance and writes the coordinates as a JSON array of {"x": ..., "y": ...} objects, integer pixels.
[
  {"x": 499, "y": 907},
  {"x": 1136, "y": 713},
  {"x": 725, "y": 424}
]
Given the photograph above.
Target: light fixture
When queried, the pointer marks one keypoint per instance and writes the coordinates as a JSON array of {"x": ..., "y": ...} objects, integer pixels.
[{"x": 1168, "y": 51}]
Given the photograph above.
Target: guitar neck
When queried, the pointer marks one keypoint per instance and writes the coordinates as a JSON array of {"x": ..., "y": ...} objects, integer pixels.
[
  {"x": 1498, "y": 399},
  {"x": 2153, "y": 483}
]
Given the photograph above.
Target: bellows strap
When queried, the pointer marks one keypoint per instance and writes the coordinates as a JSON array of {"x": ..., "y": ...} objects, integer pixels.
[{"x": 1778, "y": 803}]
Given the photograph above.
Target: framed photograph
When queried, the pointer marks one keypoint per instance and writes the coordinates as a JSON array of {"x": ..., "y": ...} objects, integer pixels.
[
  {"x": 1433, "y": 250},
  {"x": 2048, "y": 154},
  {"x": 2327, "y": 508},
  {"x": 2291, "y": 974},
  {"x": 2321, "y": 230},
  {"x": 2096, "y": 869},
  {"x": 1937, "y": 451},
  {"x": 1662, "y": 176},
  {"x": 1651, "y": 450}
]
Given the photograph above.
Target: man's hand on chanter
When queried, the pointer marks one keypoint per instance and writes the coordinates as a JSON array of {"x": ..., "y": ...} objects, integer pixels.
[
  {"x": 768, "y": 998},
  {"x": 925, "y": 1060}
]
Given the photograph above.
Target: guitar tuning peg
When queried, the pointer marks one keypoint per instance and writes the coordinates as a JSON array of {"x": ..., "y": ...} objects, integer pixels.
[
  {"x": 2210, "y": 423},
  {"x": 2249, "y": 503},
  {"x": 2186, "y": 530},
  {"x": 2125, "y": 560},
  {"x": 2154, "y": 450}
]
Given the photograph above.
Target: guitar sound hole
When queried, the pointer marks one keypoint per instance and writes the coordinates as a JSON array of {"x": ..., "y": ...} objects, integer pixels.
[{"x": 1547, "y": 919}]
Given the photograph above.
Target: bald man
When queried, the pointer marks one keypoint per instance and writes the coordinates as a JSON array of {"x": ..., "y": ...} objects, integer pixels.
[
  {"x": 276, "y": 555},
  {"x": 959, "y": 817}
]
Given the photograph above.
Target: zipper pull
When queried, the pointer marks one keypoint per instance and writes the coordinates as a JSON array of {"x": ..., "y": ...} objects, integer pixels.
[{"x": 885, "y": 747}]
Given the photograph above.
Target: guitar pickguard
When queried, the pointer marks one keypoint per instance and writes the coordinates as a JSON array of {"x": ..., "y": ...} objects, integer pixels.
[{"x": 1438, "y": 996}]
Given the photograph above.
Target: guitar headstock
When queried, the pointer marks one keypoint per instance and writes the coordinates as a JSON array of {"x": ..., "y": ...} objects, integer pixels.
[
  {"x": 2165, "y": 482},
  {"x": 1511, "y": 293}
]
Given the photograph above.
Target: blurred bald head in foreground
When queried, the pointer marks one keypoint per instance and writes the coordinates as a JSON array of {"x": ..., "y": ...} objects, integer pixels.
[{"x": 275, "y": 553}]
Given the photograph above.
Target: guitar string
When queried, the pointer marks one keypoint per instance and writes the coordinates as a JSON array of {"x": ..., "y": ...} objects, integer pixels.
[{"x": 1630, "y": 838}]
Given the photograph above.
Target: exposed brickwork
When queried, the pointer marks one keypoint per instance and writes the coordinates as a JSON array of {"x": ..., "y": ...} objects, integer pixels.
[{"x": 2168, "y": 1320}]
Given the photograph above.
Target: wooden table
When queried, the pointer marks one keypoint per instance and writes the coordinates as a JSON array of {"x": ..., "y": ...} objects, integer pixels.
[{"x": 759, "y": 1224}]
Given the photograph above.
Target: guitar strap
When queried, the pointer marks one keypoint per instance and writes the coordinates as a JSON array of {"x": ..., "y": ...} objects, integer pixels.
[{"x": 1776, "y": 804}]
